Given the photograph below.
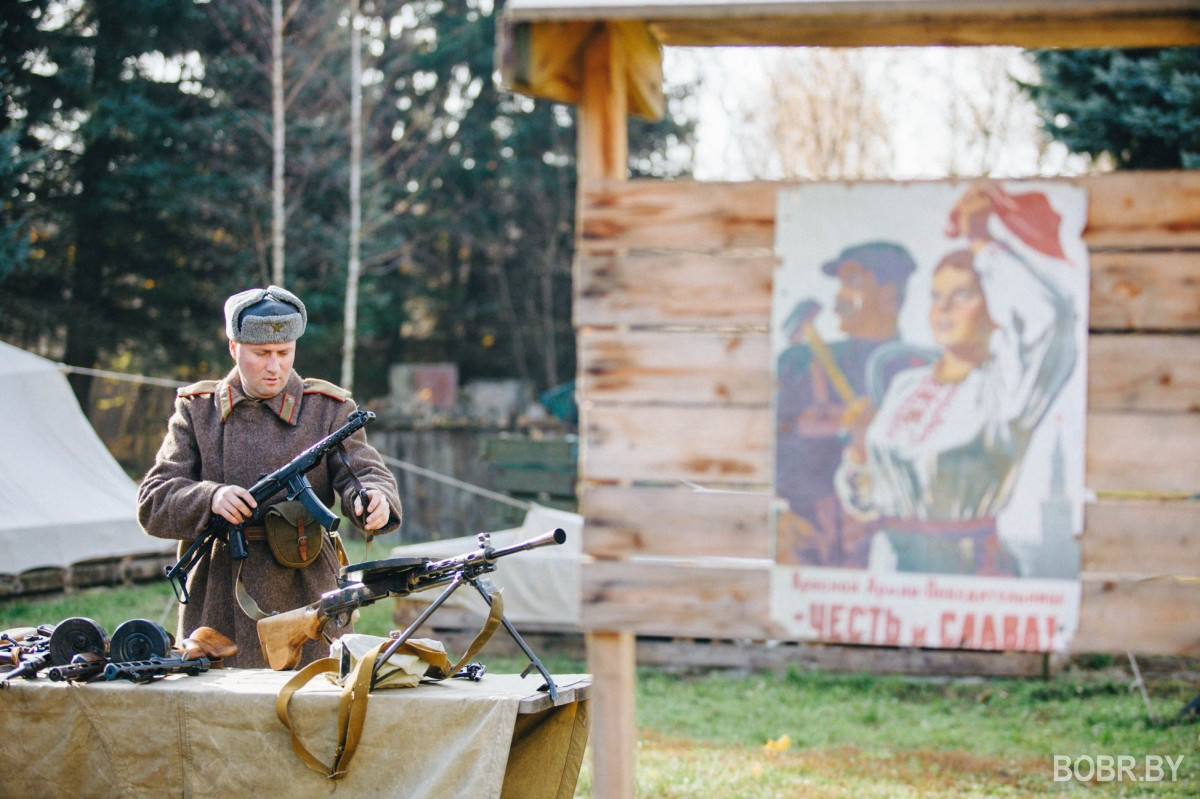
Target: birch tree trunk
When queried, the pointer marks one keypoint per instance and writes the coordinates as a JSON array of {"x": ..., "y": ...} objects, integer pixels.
[
  {"x": 277, "y": 142},
  {"x": 354, "y": 266}
]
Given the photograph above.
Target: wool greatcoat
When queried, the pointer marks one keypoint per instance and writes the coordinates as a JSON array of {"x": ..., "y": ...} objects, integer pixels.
[{"x": 218, "y": 435}]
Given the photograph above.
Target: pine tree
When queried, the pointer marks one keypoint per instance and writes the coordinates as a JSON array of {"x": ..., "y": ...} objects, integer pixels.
[
  {"x": 126, "y": 213},
  {"x": 1140, "y": 107},
  {"x": 136, "y": 176},
  {"x": 470, "y": 201}
]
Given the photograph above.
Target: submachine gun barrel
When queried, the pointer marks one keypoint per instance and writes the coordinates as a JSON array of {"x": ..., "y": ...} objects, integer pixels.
[
  {"x": 290, "y": 478},
  {"x": 155, "y": 667}
]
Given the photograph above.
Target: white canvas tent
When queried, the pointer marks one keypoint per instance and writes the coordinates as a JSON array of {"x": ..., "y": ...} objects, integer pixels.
[
  {"x": 63, "y": 497},
  {"x": 541, "y": 586}
]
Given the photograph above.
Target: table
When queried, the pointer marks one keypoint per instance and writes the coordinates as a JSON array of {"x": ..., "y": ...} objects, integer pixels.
[{"x": 217, "y": 735}]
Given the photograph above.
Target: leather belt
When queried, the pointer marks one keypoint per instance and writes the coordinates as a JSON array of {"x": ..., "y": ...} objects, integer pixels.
[{"x": 258, "y": 533}]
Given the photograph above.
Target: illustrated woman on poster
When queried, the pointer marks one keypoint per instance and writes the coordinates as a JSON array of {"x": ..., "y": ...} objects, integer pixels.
[{"x": 937, "y": 461}]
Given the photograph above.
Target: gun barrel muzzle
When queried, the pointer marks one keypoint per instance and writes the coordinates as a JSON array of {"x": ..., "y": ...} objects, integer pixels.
[{"x": 552, "y": 538}]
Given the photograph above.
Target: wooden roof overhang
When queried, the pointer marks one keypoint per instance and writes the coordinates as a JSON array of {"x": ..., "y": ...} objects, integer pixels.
[{"x": 540, "y": 42}]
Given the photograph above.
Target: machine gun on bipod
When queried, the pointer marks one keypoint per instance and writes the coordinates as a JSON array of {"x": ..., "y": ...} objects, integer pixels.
[{"x": 283, "y": 635}]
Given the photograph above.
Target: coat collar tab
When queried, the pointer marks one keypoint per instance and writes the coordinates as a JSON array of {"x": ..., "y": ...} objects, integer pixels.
[{"x": 285, "y": 404}]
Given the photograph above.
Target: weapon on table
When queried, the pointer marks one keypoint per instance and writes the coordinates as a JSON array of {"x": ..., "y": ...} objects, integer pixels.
[
  {"x": 472, "y": 671},
  {"x": 82, "y": 668},
  {"x": 155, "y": 667},
  {"x": 283, "y": 635},
  {"x": 290, "y": 478},
  {"x": 19, "y": 641},
  {"x": 78, "y": 649},
  {"x": 68, "y": 638},
  {"x": 204, "y": 649},
  {"x": 141, "y": 652}
]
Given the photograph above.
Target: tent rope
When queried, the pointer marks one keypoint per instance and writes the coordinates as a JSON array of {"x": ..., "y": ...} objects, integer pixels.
[
  {"x": 396, "y": 462},
  {"x": 151, "y": 381},
  {"x": 450, "y": 481}
]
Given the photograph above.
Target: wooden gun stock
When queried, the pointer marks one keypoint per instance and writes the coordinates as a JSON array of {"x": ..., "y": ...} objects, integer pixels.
[
  {"x": 283, "y": 635},
  {"x": 205, "y": 642}
]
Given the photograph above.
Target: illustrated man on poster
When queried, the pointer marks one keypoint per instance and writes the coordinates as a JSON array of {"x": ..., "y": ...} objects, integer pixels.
[{"x": 822, "y": 387}]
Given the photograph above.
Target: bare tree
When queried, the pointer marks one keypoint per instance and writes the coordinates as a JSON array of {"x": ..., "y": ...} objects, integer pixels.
[
  {"x": 354, "y": 266},
  {"x": 880, "y": 113},
  {"x": 278, "y": 142},
  {"x": 992, "y": 125},
  {"x": 821, "y": 114}
]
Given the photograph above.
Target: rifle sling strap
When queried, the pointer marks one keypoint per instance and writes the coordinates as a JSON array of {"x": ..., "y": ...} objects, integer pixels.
[
  {"x": 247, "y": 603},
  {"x": 352, "y": 707},
  {"x": 495, "y": 614},
  {"x": 244, "y": 600}
]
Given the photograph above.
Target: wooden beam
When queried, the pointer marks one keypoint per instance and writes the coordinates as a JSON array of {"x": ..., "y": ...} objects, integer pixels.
[
  {"x": 1144, "y": 373},
  {"x": 668, "y": 522},
  {"x": 867, "y": 23},
  {"x": 694, "y": 368},
  {"x": 1137, "y": 452},
  {"x": 1151, "y": 452},
  {"x": 1126, "y": 210},
  {"x": 643, "y": 68},
  {"x": 1145, "y": 291},
  {"x": 1153, "y": 617},
  {"x": 689, "y": 216},
  {"x": 546, "y": 60},
  {"x": 778, "y": 655},
  {"x": 1032, "y": 31},
  {"x": 1138, "y": 540},
  {"x": 1148, "y": 373},
  {"x": 731, "y": 601},
  {"x": 1138, "y": 290},
  {"x": 674, "y": 289},
  {"x": 1129, "y": 540},
  {"x": 670, "y": 444},
  {"x": 677, "y": 599}
]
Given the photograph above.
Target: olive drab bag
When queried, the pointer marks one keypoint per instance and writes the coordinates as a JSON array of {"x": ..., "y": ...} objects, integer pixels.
[{"x": 294, "y": 536}]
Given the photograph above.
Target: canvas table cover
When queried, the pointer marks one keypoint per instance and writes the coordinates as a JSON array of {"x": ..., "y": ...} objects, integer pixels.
[{"x": 216, "y": 735}]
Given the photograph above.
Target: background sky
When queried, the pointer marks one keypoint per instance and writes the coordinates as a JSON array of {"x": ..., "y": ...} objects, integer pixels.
[{"x": 928, "y": 96}]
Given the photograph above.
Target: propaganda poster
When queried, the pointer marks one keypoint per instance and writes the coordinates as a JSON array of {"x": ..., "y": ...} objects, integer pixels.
[{"x": 929, "y": 343}]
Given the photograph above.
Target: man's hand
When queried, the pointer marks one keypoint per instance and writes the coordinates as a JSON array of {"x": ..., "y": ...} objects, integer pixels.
[
  {"x": 234, "y": 504},
  {"x": 378, "y": 510}
]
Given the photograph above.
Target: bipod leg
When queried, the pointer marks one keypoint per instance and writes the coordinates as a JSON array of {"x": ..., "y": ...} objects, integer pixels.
[
  {"x": 534, "y": 662},
  {"x": 412, "y": 628}
]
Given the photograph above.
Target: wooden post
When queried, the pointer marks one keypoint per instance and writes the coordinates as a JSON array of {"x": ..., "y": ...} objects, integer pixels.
[
  {"x": 603, "y": 108},
  {"x": 603, "y": 154},
  {"x": 612, "y": 660}
]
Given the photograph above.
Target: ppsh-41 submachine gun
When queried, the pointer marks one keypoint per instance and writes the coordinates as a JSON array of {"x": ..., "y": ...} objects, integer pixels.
[
  {"x": 290, "y": 478},
  {"x": 54, "y": 645},
  {"x": 283, "y": 635}
]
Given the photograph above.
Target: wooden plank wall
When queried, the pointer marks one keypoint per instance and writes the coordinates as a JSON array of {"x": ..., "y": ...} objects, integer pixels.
[{"x": 672, "y": 306}]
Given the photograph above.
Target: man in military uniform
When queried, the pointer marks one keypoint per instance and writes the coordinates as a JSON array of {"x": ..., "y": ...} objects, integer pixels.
[
  {"x": 223, "y": 436},
  {"x": 822, "y": 386}
]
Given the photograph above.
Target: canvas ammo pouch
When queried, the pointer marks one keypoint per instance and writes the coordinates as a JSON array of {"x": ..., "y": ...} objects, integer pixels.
[{"x": 294, "y": 536}]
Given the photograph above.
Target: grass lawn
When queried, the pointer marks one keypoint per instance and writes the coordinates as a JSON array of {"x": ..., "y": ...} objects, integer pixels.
[{"x": 810, "y": 734}]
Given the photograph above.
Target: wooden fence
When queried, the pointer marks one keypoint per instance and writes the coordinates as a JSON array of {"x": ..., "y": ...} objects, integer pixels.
[{"x": 672, "y": 306}]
